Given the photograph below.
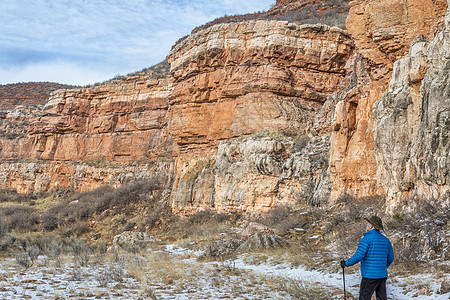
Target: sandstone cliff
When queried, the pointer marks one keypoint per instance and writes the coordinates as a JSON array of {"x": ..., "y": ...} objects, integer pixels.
[
  {"x": 235, "y": 79},
  {"x": 257, "y": 113},
  {"x": 114, "y": 121},
  {"x": 77, "y": 130},
  {"x": 412, "y": 122},
  {"x": 383, "y": 31}
]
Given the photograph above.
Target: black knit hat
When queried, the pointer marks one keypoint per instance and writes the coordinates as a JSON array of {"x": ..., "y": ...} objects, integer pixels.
[{"x": 376, "y": 222}]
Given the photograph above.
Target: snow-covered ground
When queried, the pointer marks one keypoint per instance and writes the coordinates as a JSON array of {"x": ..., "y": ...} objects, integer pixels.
[
  {"x": 176, "y": 274},
  {"x": 69, "y": 280},
  {"x": 394, "y": 291}
]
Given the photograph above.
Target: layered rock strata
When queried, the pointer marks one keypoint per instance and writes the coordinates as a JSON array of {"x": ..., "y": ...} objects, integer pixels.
[
  {"x": 222, "y": 124},
  {"x": 77, "y": 132},
  {"x": 235, "y": 79},
  {"x": 35, "y": 176},
  {"x": 383, "y": 30},
  {"x": 116, "y": 122},
  {"x": 227, "y": 81}
]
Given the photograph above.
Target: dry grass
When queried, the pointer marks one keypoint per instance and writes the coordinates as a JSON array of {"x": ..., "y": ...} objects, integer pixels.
[
  {"x": 305, "y": 291},
  {"x": 202, "y": 226},
  {"x": 102, "y": 213},
  {"x": 327, "y": 233}
]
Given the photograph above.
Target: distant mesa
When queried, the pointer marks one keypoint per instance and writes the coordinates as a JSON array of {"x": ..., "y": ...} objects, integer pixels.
[{"x": 23, "y": 93}]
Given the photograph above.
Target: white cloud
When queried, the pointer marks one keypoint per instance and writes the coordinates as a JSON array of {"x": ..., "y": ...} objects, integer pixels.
[{"x": 101, "y": 37}]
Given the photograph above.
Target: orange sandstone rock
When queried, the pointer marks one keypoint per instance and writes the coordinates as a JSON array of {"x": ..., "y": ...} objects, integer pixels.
[
  {"x": 383, "y": 32},
  {"x": 237, "y": 78}
]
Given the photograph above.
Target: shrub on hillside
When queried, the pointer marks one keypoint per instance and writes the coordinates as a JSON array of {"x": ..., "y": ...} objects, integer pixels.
[
  {"x": 81, "y": 252},
  {"x": 203, "y": 224},
  {"x": 423, "y": 233},
  {"x": 13, "y": 196},
  {"x": 280, "y": 218},
  {"x": 2, "y": 229},
  {"x": 335, "y": 14},
  {"x": 17, "y": 217},
  {"x": 73, "y": 213}
]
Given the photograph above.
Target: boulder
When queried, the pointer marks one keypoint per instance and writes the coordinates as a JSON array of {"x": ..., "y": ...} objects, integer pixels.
[
  {"x": 263, "y": 241},
  {"x": 253, "y": 228},
  {"x": 221, "y": 248},
  {"x": 133, "y": 241}
]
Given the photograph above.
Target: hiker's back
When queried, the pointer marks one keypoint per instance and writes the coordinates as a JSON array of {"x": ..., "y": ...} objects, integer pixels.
[{"x": 378, "y": 257}]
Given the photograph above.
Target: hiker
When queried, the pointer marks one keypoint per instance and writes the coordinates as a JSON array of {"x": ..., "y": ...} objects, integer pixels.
[{"x": 376, "y": 255}]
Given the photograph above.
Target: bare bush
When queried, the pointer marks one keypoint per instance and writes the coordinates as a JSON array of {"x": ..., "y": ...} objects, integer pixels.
[
  {"x": 81, "y": 252},
  {"x": 305, "y": 291},
  {"x": 421, "y": 233},
  {"x": 49, "y": 221},
  {"x": 280, "y": 218},
  {"x": 54, "y": 248},
  {"x": 17, "y": 217},
  {"x": 33, "y": 252},
  {"x": 13, "y": 196},
  {"x": 111, "y": 272},
  {"x": 71, "y": 215},
  {"x": 2, "y": 229},
  {"x": 26, "y": 253},
  {"x": 149, "y": 293},
  {"x": 331, "y": 13},
  {"x": 6, "y": 242},
  {"x": 203, "y": 224},
  {"x": 153, "y": 218},
  {"x": 24, "y": 260},
  {"x": 200, "y": 217}
]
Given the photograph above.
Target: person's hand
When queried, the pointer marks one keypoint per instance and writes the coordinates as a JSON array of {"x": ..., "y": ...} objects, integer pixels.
[{"x": 343, "y": 263}]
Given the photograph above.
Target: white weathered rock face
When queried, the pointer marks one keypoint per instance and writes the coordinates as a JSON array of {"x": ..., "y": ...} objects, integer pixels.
[
  {"x": 257, "y": 173},
  {"x": 431, "y": 155},
  {"x": 29, "y": 177},
  {"x": 396, "y": 120},
  {"x": 412, "y": 123}
]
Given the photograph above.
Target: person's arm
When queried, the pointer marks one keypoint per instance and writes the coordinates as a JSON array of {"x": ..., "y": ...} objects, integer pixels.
[
  {"x": 390, "y": 257},
  {"x": 360, "y": 253}
]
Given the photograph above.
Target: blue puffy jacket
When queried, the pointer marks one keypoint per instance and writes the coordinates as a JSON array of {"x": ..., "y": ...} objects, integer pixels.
[{"x": 375, "y": 254}]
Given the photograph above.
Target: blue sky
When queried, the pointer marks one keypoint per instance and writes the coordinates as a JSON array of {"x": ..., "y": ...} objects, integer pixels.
[{"x": 87, "y": 41}]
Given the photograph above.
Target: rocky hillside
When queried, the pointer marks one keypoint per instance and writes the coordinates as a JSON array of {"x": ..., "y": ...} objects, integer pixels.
[
  {"x": 257, "y": 112},
  {"x": 331, "y": 13},
  {"x": 15, "y": 94}
]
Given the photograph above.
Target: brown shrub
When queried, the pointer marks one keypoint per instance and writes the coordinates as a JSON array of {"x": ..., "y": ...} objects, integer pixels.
[
  {"x": 420, "y": 233},
  {"x": 17, "y": 217},
  {"x": 81, "y": 207},
  {"x": 13, "y": 196},
  {"x": 203, "y": 224},
  {"x": 305, "y": 291},
  {"x": 280, "y": 218}
]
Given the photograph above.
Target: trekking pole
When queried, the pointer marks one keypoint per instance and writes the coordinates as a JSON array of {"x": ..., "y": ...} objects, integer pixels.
[{"x": 343, "y": 277}]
